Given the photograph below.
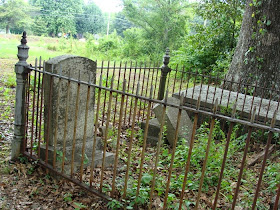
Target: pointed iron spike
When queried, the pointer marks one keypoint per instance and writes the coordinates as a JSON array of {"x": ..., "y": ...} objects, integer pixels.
[
  {"x": 23, "y": 40},
  {"x": 137, "y": 89},
  {"x": 215, "y": 106},
  {"x": 124, "y": 85},
  {"x": 79, "y": 78},
  {"x": 253, "y": 115},
  {"x": 273, "y": 120},
  {"x": 44, "y": 66},
  {"x": 60, "y": 71},
  {"x": 166, "y": 96},
  {"x": 198, "y": 103},
  {"x": 112, "y": 82},
  {"x": 181, "y": 100},
  {"x": 52, "y": 68},
  {"x": 100, "y": 80},
  {"x": 151, "y": 92},
  {"x": 233, "y": 110},
  {"x": 36, "y": 63},
  {"x": 89, "y": 79}
]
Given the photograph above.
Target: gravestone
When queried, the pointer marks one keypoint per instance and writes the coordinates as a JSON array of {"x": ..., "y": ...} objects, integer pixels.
[
  {"x": 244, "y": 103},
  {"x": 80, "y": 69},
  {"x": 171, "y": 118}
]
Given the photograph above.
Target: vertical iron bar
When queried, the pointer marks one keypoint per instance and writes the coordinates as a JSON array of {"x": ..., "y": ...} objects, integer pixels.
[
  {"x": 65, "y": 126},
  {"x": 189, "y": 155},
  {"x": 130, "y": 141},
  {"x": 270, "y": 135},
  {"x": 173, "y": 152},
  {"x": 225, "y": 156},
  {"x": 277, "y": 198},
  {"x": 116, "y": 101},
  {"x": 41, "y": 109},
  {"x": 106, "y": 135},
  {"x": 75, "y": 129},
  {"x": 56, "y": 120},
  {"x": 95, "y": 135},
  {"x": 49, "y": 118},
  {"x": 132, "y": 93},
  {"x": 144, "y": 144},
  {"x": 243, "y": 159},
  {"x": 175, "y": 76},
  {"x": 158, "y": 150},
  {"x": 33, "y": 108},
  {"x": 105, "y": 97},
  {"x": 206, "y": 155},
  {"x": 85, "y": 134},
  {"x": 118, "y": 139}
]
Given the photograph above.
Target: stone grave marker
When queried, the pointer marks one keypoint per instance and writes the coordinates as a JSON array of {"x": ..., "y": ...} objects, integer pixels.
[
  {"x": 171, "y": 117},
  {"x": 78, "y": 68}
]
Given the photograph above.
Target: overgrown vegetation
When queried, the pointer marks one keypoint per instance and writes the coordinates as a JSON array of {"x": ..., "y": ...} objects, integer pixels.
[{"x": 213, "y": 168}]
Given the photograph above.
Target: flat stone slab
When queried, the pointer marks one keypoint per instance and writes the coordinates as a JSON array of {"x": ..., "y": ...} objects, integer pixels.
[
  {"x": 171, "y": 117},
  {"x": 244, "y": 103}
]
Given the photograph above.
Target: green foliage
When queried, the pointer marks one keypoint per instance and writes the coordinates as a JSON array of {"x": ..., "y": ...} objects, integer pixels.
[
  {"x": 120, "y": 23},
  {"x": 15, "y": 14},
  {"x": 114, "y": 204},
  {"x": 162, "y": 22},
  {"x": 91, "y": 20},
  {"x": 59, "y": 16},
  {"x": 67, "y": 197},
  {"x": 209, "y": 45},
  {"x": 39, "y": 27}
]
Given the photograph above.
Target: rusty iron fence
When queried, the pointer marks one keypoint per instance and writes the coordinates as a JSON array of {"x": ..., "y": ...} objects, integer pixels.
[{"x": 182, "y": 175}]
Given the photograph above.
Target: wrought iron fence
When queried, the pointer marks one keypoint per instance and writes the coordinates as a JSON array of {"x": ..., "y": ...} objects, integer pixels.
[{"x": 123, "y": 164}]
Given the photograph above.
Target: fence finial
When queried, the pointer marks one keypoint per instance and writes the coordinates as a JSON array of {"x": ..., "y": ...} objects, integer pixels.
[
  {"x": 164, "y": 71},
  {"x": 166, "y": 57},
  {"x": 23, "y": 41},
  {"x": 23, "y": 51}
]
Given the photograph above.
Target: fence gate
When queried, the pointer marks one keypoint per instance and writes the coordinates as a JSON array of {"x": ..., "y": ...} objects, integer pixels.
[{"x": 148, "y": 136}]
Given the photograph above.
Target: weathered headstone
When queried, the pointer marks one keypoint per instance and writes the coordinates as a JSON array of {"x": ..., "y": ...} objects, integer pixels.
[
  {"x": 81, "y": 69},
  {"x": 171, "y": 118}
]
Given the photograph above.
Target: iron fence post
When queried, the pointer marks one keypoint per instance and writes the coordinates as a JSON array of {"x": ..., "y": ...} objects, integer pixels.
[
  {"x": 164, "y": 71},
  {"x": 21, "y": 70}
]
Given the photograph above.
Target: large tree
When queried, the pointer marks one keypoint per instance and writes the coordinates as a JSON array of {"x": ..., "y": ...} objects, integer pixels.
[
  {"x": 15, "y": 13},
  {"x": 91, "y": 20},
  {"x": 257, "y": 55},
  {"x": 163, "y": 21},
  {"x": 59, "y": 15}
]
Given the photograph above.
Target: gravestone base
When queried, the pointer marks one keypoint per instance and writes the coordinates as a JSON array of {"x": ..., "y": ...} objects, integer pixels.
[{"x": 109, "y": 157}]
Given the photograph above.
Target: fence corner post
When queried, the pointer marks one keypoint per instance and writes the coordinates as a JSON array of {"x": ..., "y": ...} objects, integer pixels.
[
  {"x": 164, "y": 71},
  {"x": 21, "y": 70}
]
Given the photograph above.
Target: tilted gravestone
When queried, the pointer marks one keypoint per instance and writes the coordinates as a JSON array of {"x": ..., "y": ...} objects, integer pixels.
[
  {"x": 81, "y": 69},
  {"x": 171, "y": 118}
]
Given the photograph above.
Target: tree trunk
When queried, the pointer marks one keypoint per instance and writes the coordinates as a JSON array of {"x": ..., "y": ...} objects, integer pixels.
[
  {"x": 257, "y": 55},
  {"x": 7, "y": 29}
]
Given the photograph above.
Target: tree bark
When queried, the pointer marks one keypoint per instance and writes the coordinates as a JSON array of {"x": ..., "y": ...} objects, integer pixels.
[
  {"x": 7, "y": 29},
  {"x": 257, "y": 56}
]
